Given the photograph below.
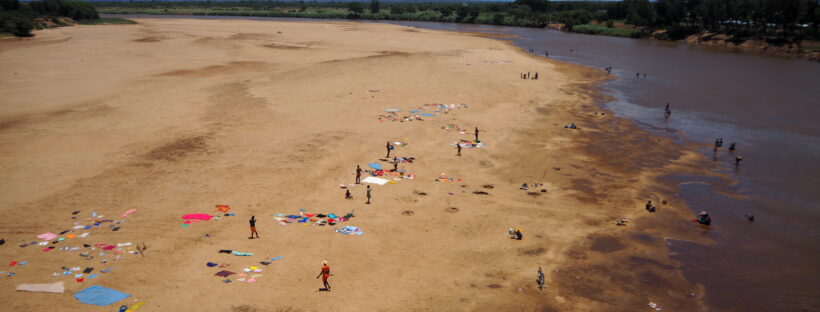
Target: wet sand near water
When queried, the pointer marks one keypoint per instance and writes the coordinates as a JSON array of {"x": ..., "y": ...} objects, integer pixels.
[{"x": 172, "y": 116}]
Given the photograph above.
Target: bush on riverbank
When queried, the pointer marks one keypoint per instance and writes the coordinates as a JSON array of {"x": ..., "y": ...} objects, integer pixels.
[
  {"x": 19, "y": 19},
  {"x": 596, "y": 29}
]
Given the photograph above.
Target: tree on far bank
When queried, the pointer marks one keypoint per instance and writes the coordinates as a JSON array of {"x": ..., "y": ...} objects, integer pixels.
[
  {"x": 375, "y": 6},
  {"x": 355, "y": 8}
]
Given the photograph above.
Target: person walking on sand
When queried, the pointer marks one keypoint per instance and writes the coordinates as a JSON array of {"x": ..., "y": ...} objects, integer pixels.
[
  {"x": 389, "y": 148},
  {"x": 476, "y": 134},
  {"x": 368, "y": 195},
  {"x": 395, "y": 164},
  {"x": 358, "y": 174},
  {"x": 325, "y": 274},
  {"x": 252, "y": 221},
  {"x": 458, "y": 148}
]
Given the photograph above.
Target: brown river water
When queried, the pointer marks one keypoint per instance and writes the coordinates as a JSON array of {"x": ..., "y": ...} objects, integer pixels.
[{"x": 769, "y": 106}]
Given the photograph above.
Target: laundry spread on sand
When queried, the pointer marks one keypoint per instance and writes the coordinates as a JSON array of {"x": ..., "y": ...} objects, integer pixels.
[
  {"x": 99, "y": 295},
  {"x": 305, "y": 218},
  {"x": 457, "y": 128},
  {"x": 197, "y": 216},
  {"x": 57, "y": 287},
  {"x": 350, "y": 230},
  {"x": 47, "y": 236},
  {"x": 443, "y": 178},
  {"x": 468, "y": 144},
  {"x": 376, "y": 166},
  {"x": 426, "y": 110},
  {"x": 375, "y": 180}
]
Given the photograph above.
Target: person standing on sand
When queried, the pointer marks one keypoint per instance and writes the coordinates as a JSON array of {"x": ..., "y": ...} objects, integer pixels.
[
  {"x": 395, "y": 164},
  {"x": 389, "y": 148},
  {"x": 358, "y": 175},
  {"x": 536, "y": 75},
  {"x": 325, "y": 274},
  {"x": 476, "y": 134},
  {"x": 738, "y": 159},
  {"x": 253, "y": 227},
  {"x": 458, "y": 148},
  {"x": 368, "y": 195}
]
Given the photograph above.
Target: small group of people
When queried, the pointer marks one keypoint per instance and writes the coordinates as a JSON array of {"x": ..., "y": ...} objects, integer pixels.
[
  {"x": 732, "y": 148},
  {"x": 638, "y": 75},
  {"x": 608, "y": 70},
  {"x": 527, "y": 76},
  {"x": 458, "y": 145},
  {"x": 359, "y": 172}
]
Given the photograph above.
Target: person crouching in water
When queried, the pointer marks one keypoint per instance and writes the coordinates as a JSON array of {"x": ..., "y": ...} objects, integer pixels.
[{"x": 704, "y": 219}]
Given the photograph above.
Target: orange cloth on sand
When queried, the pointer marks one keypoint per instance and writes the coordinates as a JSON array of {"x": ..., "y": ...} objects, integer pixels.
[{"x": 223, "y": 208}]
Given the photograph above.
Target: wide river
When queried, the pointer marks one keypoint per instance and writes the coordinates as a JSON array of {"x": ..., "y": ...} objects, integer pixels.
[{"x": 767, "y": 105}]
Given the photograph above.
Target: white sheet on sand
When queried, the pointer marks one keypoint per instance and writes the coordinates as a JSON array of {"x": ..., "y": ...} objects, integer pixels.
[
  {"x": 375, "y": 180},
  {"x": 57, "y": 288}
]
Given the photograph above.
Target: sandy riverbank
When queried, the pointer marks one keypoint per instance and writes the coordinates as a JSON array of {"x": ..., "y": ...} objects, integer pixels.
[{"x": 171, "y": 117}]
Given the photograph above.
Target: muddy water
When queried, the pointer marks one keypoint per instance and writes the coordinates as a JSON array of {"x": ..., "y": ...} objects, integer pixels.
[{"x": 769, "y": 105}]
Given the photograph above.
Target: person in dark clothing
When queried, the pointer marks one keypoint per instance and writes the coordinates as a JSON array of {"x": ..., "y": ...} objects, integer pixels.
[
  {"x": 732, "y": 147},
  {"x": 358, "y": 174},
  {"x": 703, "y": 218},
  {"x": 648, "y": 205},
  {"x": 389, "y": 148},
  {"x": 458, "y": 148},
  {"x": 518, "y": 234},
  {"x": 252, "y": 221},
  {"x": 667, "y": 110},
  {"x": 368, "y": 195},
  {"x": 348, "y": 195},
  {"x": 395, "y": 164},
  {"x": 536, "y": 75},
  {"x": 738, "y": 159},
  {"x": 476, "y": 134}
]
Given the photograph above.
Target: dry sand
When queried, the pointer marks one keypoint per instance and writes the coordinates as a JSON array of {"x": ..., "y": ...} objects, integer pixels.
[{"x": 173, "y": 116}]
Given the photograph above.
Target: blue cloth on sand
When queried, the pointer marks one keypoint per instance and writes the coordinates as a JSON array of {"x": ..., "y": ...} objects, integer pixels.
[
  {"x": 376, "y": 166},
  {"x": 98, "y": 295}
]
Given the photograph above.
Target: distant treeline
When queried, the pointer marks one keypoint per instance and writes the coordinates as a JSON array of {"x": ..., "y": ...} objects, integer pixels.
[
  {"x": 634, "y": 18},
  {"x": 20, "y": 19}
]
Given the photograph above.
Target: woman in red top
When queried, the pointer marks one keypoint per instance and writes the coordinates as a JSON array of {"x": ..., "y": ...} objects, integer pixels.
[{"x": 325, "y": 274}]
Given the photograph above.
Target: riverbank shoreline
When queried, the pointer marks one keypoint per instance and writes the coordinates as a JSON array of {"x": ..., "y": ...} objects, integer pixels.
[
  {"x": 247, "y": 89},
  {"x": 805, "y": 49}
]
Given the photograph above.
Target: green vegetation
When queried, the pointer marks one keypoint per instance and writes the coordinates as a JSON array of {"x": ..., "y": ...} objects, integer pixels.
[
  {"x": 107, "y": 21},
  {"x": 20, "y": 19},
  {"x": 597, "y": 29},
  {"x": 792, "y": 19}
]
